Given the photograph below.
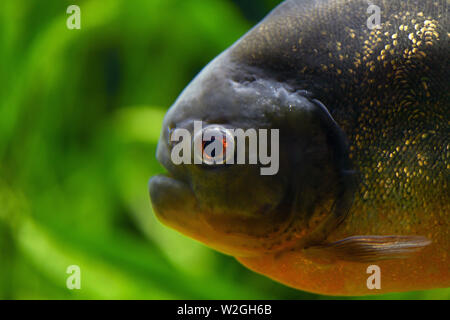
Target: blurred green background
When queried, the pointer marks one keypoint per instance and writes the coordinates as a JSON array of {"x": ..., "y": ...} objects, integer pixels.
[{"x": 80, "y": 117}]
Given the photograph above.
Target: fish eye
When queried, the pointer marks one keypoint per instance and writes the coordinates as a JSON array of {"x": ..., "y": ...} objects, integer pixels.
[{"x": 214, "y": 145}]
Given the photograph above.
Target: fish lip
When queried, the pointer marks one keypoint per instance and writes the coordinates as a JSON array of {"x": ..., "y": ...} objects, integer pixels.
[
  {"x": 170, "y": 189},
  {"x": 170, "y": 196},
  {"x": 170, "y": 176}
]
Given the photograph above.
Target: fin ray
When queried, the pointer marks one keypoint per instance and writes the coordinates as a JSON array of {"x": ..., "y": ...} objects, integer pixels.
[{"x": 372, "y": 248}]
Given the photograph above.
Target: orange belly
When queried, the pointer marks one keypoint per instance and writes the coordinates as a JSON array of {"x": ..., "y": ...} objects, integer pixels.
[{"x": 426, "y": 269}]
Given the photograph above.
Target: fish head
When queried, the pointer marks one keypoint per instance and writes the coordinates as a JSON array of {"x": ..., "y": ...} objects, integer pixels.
[{"x": 235, "y": 208}]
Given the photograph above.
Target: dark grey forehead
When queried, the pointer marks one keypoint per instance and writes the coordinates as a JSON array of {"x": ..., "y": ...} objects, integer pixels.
[{"x": 226, "y": 93}]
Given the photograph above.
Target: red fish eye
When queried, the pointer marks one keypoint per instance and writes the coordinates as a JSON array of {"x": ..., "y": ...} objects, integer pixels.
[{"x": 212, "y": 152}]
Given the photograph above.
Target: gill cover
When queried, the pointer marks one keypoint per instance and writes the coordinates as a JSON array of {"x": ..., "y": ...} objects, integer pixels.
[{"x": 369, "y": 248}]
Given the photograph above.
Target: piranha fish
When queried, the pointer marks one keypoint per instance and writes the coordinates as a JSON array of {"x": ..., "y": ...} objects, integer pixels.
[{"x": 363, "y": 119}]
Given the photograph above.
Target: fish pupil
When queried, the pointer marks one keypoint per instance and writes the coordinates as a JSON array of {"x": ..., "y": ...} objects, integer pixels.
[{"x": 213, "y": 153}]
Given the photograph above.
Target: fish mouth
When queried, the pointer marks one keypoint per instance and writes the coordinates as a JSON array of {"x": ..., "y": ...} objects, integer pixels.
[
  {"x": 176, "y": 206},
  {"x": 169, "y": 194},
  {"x": 172, "y": 199}
]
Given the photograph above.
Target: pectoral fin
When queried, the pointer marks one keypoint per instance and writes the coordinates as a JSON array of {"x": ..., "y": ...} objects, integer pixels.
[{"x": 370, "y": 248}]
